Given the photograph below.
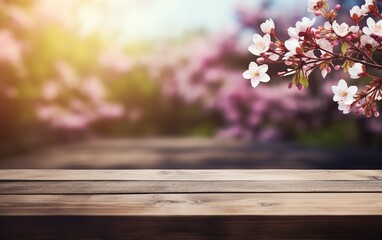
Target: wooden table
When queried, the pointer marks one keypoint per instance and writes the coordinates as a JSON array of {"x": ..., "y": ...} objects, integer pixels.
[{"x": 190, "y": 204}]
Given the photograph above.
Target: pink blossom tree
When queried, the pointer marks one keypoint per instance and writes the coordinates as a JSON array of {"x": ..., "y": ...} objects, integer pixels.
[{"x": 331, "y": 46}]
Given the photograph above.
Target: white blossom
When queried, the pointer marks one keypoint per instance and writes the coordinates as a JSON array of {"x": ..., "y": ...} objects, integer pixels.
[
  {"x": 293, "y": 32},
  {"x": 359, "y": 12},
  {"x": 378, "y": 96},
  {"x": 268, "y": 26},
  {"x": 324, "y": 72},
  {"x": 365, "y": 40},
  {"x": 308, "y": 68},
  {"x": 341, "y": 30},
  {"x": 373, "y": 27},
  {"x": 354, "y": 29},
  {"x": 327, "y": 26},
  {"x": 304, "y": 24},
  {"x": 367, "y": 4},
  {"x": 301, "y": 26},
  {"x": 343, "y": 93},
  {"x": 292, "y": 45},
  {"x": 325, "y": 44},
  {"x": 313, "y": 4},
  {"x": 345, "y": 108},
  {"x": 260, "y": 44},
  {"x": 273, "y": 56},
  {"x": 356, "y": 71},
  {"x": 256, "y": 74}
]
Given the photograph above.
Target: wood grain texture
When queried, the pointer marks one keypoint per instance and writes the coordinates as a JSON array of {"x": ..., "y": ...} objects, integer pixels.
[
  {"x": 165, "y": 187},
  {"x": 187, "y": 175},
  {"x": 233, "y": 204},
  {"x": 190, "y": 204}
]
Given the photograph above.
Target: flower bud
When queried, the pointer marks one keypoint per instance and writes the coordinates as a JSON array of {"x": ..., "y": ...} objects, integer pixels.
[
  {"x": 260, "y": 60},
  {"x": 337, "y": 67},
  {"x": 338, "y": 7},
  {"x": 317, "y": 13},
  {"x": 290, "y": 85},
  {"x": 376, "y": 114}
]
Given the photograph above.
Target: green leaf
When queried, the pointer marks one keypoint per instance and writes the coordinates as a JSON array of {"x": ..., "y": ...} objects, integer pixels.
[
  {"x": 347, "y": 64},
  {"x": 304, "y": 81},
  {"x": 344, "y": 48}
]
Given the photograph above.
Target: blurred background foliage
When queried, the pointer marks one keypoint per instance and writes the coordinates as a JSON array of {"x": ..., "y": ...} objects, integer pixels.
[{"x": 73, "y": 70}]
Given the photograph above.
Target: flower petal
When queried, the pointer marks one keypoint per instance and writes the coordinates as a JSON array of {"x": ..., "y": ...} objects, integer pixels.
[
  {"x": 264, "y": 77},
  {"x": 256, "y": 37},
  {"x": 254, "y": 82},
  {"x": 336, "y": 98},
  {"x": 335, "y": 89},
  {"x": 342, "y": 84},
  {"x": 324, "y": 72},
  {"x": 247, "y": 74},
  {"x": 274, "y": 57},
  {"x": 366, "y": 30},
  {"x": 292, "y": 44},
  {"x": 253, "y": 49},
  {"x": 348, "y": 99},
  {"x": 263, "y": 68},
  {"x": 353, "y": 90},
  {"x": 370, "y": 22},
  {"x": 253, "y": 65},
  {"x": 267, "y": 38}
]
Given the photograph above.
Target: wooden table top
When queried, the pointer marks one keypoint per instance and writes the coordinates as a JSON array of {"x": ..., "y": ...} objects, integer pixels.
[{"x": 190, "y": 193}]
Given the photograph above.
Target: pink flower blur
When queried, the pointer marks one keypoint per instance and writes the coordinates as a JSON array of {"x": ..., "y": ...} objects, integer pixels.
[{"x": 11, "y": 48}]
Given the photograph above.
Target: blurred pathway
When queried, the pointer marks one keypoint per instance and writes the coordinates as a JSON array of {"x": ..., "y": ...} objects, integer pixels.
[{"x": 192, "y": 153}]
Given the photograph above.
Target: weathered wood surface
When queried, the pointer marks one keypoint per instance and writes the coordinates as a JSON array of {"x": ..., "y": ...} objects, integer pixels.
[
  {"x": 192, "y": 153},
  {"x": 188, "y": 181},
  {"x": 190, "y": 204},
  {"x": 190, "y": 175},
  {"x": 223, "y": 204},
  {"x": 150, "y": 187}
]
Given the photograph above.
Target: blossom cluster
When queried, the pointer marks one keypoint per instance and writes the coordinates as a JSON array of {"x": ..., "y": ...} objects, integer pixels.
[
  {"x": 330, "y": 46},
  {"x": 59, "y": 94},
  {"x": 86, "y": 104}
]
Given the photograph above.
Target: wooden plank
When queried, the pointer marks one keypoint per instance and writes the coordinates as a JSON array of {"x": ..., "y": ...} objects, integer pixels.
[
  {"x": 234, "y": 204},
  {"x": 164, "y": 187},
  {"x": 187, "y": 175},
  {"x": 192, "y": 228},
  {"x": 177, "y": 204}
]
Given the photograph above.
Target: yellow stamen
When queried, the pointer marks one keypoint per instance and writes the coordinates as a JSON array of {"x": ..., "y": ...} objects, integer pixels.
[{"x": 255, "y": 74}]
